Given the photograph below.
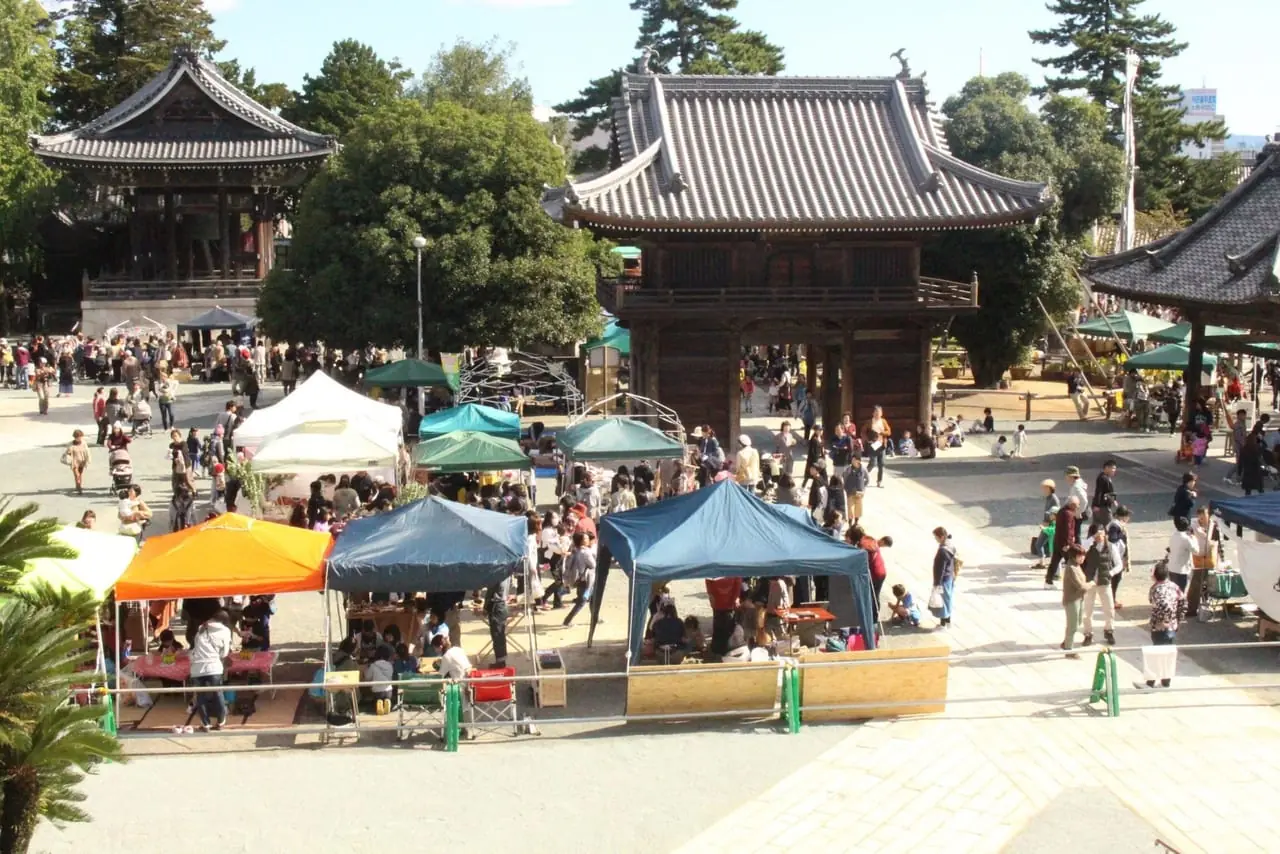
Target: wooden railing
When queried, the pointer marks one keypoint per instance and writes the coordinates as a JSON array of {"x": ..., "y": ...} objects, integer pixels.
[
  {"x": 125, "y": 289},
  {"x": 620, "y": 295}
]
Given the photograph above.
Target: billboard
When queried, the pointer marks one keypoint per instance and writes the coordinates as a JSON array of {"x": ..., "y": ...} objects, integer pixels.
[{"x": 1200, "y": 103}]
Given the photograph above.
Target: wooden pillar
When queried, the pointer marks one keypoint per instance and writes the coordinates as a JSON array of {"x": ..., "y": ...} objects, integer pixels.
[
  {"x": 134, "y": 267},
  {"x": 171, "y": 234},
  {"x": 263, "y": 233},
  {"x": 1194, "y": 369},
  {"x": 846, "y": 375},
  {"x": 733, "y": 345},
  {"x": 652, "y": 336},
  {"x": 236, "y": 233},
  {"x": 224, "y": 235},
  {"x": 831, "y": 394},
  {"x": 924, "y": 408}
]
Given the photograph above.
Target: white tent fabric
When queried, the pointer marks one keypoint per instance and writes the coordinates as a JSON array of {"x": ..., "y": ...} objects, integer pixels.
[
  {"x": 320, "y": 398},
  {"x": 336, "y": 445}
]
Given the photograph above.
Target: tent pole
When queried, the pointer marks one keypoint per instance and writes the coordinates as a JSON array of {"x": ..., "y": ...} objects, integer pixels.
[
  {"x": 328, "y": 655},
  {"x": 528, "y": 612}
]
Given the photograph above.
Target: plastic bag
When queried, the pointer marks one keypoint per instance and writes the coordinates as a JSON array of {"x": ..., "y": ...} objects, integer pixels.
[{"x": 935, "y": 598}]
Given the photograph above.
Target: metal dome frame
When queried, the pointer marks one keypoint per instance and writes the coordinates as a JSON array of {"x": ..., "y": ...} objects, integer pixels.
[
  {"x": 521, "y": 375},
  {"x": 637, "y": 408}
]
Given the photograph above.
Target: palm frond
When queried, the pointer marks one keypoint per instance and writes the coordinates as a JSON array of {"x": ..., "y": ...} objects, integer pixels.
[{"x": 24, "y": 538}]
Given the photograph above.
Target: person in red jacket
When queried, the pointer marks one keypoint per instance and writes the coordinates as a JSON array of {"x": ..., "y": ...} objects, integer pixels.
[
  {"x": 875, "y": 562},
  {"x": 100, "y": 414},
  {"x": 1064, "y": 535},
  {"x": 724, "y": 594}
]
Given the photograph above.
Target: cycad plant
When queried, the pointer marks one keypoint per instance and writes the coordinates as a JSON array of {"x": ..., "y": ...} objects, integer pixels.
[{"x": 47, "y": 743}]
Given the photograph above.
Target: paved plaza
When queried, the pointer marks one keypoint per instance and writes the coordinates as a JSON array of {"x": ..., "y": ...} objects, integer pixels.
[{"x": 1019, "y": 762}]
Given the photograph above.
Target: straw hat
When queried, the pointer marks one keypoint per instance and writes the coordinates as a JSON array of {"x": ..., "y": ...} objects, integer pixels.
[{"x": 1048, "y": 482}]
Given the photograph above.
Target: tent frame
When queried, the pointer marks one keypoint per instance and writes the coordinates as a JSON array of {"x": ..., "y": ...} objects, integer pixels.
[
  {"x": 636, "y": 408},
  {"x": 495, "y": 383}
]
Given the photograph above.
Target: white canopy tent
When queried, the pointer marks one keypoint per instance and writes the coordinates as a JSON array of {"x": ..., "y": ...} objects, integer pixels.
[
  {"x": 320, "y": 398},
  {"x": 340, "y": 445}
]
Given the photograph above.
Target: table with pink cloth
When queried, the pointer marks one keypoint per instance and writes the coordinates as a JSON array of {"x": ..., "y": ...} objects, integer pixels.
[{"x": 179, "y": 670}]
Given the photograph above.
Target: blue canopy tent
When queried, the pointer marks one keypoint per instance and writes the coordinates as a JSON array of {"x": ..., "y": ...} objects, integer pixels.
[
  {"x": 473, "y": 417},
  {"x": 717, "y": 531},
  {"x": 431, "y": 545},
  {"x": 1259, "y": 513}
]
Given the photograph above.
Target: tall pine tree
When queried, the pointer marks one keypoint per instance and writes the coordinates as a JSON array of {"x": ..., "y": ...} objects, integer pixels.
[
  {"x": 1096, "y": 35},
  {"x": 686, "y": 37},
  {"x": 353, "y": 82},
  {"x": 108, "y": 48}
]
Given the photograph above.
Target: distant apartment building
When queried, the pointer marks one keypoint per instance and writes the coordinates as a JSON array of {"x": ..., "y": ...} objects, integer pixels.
[{"x": 1201, "y": 105}]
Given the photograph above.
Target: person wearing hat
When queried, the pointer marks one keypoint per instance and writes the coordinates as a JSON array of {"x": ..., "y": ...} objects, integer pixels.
[
  {"x": 43, "y": 381},
  {"x": 746, "y": 466},
  {"x": 1077, "y": 490},
  {"x": 1066, "y": 533}
]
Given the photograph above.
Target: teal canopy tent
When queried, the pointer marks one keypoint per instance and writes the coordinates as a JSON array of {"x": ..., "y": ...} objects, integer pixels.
[
  {"x": 410, "y": 373},
  {"x": 465, "y": 451},
  {"x": 472, "y": 417},
  {"x": 1170, "y": 357},
  {"x": 613, "y": 336},
  {"x": 606, "y": 439},
  {"x": 1128, "y": 325},
  {"x": 1180, "y": 333}
]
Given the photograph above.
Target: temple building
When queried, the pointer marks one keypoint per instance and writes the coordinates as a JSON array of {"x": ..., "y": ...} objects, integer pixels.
[
  {"x": 776, "y": 210},
  {"x": 1223, "y": 269},
  {"x": 190, "y": 169}
]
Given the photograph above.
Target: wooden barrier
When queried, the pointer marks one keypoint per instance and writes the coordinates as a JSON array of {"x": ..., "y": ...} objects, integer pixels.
[
  {"x": 682, "y": 689},
  {"x": 900, "y": 682}
]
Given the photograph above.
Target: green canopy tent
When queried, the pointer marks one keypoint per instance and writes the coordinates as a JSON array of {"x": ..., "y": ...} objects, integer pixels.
[
  {"x": 1170, "y": 357},
  {"x": 468, "y": 450},
  {"x": 1130, "y": 326},
  {"x": 475, "y": 417},
  {"x": 1180, "y": 333},
  {"x": 607, "y": 439},
  {"x": 411, "y": 373},
  {"x": 613, "y": 336},
  {"x": 1248, "y": 345}
]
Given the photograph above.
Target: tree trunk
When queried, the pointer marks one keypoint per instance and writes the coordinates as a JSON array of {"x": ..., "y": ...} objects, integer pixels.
[
  {"x": 987, "y": 373},
  {"x": 19, "y": 812}
]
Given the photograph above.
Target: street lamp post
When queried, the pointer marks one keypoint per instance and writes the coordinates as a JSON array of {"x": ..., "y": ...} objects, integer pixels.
[{"x": 419, "y": 243}]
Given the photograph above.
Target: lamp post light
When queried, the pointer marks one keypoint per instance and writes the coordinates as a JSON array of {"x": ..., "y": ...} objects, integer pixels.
[{"x": 419, "y": 243}]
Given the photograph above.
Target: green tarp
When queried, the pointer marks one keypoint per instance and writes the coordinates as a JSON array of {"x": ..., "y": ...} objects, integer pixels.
[
  {"x": 467, "y": 450},
  {"x": 1180, "y": 333},
  {"x": 1170, "y": 357},
  {"x": 1129, "y": 325},
  {"x": 613, "y": 336},
  {"x": 410, "y": 373},
  {"x": 618, "y": 439},
  {"x": 474, "y": 417}
]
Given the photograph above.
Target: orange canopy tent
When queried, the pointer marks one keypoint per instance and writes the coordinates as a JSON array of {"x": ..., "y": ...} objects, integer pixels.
[{"x": 225, "y": 556}]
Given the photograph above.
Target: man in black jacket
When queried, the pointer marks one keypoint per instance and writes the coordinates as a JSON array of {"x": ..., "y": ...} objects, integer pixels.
[{"x": 1104, "y": 494}]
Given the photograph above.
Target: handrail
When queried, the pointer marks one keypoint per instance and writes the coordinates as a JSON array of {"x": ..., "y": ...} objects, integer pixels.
[
  {"x": 929, "y": 294},
  {"x": 109, "y": 289}
]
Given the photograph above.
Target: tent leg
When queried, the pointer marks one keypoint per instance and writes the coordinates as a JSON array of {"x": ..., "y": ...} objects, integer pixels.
[
  {"x": 528, "y": 612},
  {"x": 328, "y": 632}
]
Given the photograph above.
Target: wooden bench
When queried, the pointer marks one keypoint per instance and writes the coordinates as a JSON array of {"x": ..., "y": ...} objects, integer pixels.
[
  {"x": 904, "y": 681},
  {"x": 682, "y": 689}
]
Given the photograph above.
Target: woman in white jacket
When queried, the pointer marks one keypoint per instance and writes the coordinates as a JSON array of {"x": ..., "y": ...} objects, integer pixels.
[
  {"x": 1182, "y": 548},
  {"x": 209, "y": 648}
]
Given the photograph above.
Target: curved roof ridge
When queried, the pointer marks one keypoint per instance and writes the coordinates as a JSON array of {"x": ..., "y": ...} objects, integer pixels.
[
  {"x": 616, "y": 178},
  {"x": 949, "y": 162},
  {"x": 1260, "y": 174},
  {"x": 925, "y": 179}
]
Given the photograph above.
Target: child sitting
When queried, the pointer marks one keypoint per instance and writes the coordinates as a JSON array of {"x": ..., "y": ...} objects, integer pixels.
[
  {"x": 1001, "y": 449},
  {"x": 904, "y": 610},
  {"x": 1200, "y": 444},
  {"x": 169, "y": 645},
  {"x": 988, "y": 421},
  {"x": 906, "y": 446},
  {"x": 694, "y": 639},
  {"x": 404, "y": 663}
]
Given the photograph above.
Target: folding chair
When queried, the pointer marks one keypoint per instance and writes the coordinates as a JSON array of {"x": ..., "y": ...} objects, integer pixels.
[
  {"x": 420, "y": 704},
  {"x": 491, "y": 705}
]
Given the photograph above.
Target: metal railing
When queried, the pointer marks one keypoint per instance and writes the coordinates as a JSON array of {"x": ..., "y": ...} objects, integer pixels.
[
  {"x": 219, "y": 288},
  {"x": 930, "y": 294}
]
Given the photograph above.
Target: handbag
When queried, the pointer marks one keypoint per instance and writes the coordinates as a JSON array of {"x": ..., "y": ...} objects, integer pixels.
[
  {"x": 65, "y": 459},
  {"x": 935, "y": 598}
]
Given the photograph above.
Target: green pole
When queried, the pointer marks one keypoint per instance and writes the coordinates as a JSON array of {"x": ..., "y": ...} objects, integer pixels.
[
  {"x": 452, "y": 718},
  {"x": 1113, "y": 695},
  {"x": 795, "y": 701},
  {"x": 786, "y": 697},
  {"x": 1099, "y": 678}
]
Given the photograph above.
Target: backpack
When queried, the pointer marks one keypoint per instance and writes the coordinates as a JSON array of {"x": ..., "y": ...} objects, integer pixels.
[{"x": 179, "y": 463}]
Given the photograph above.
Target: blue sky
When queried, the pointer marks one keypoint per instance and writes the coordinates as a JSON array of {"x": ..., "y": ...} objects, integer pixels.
[{"x": 560, "y": 44}]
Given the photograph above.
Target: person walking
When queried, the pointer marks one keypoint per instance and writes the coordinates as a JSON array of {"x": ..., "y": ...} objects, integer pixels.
[
  {"x": 43, "y": 382},
  {"x": 1104, "y": 494},
  {"x": 1064, "y": 535},
  {"x": 1074, "y": 588},
  {"x": 809, "y": 414},
  {"x": 746, "y": 465},
  {"x": 1168, "y": 608},
  {"x": 497, "y": 613},
  {"x": 784, "y": 448},
  {"x": 1184, "y": 499},
  {"x": 1180, "y": 553},
  {"x": 1208, "y": 537},
  {"x": 1099, "y": 563},
  {"x": 76, "y": 457},
  {"x": 1076, "y": 489},
  {"x": 100, "y": 415},
  {"x": 1118, "y": 536},
  {"x": 878, "y": 435},
  {"x": 855, "y": 487},
  {"x": 66, "y": 373},
  {"x": 944, "y": 573},
  {"x": 815, "y": 461},
  {"x": 166, "y": 393},
  {"x": 580, "y": 573},
  {"x": 209, "y": 648}
]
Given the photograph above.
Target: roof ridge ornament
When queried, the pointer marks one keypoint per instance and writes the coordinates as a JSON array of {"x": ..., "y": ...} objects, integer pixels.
[
  {"x": 901, "y": 55},
  {"x": 644, "y": 65}
]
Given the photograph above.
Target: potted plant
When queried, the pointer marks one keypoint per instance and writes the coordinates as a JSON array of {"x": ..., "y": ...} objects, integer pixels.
[
  {"x": 950, "y": 368},
  {"x": 1022, "y": 370}
]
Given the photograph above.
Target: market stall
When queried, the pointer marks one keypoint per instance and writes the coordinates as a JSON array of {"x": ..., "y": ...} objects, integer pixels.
[
  {"x": 410, "y": 373},
  {"x": 218, "y": 319},
  {"x": 1129, "y": 326},
  {"x": 617, "y": 438},
  {"x": 467, "y": 451},
  {"x": 320, "y": 398},
  {"x": 341, "y": 446},
  {"x": 1180, "y": 333},
  {"x": 1258, "y": 562},
  {"x": 1170, "y": 357},
  {"x": 473, "y": 417}
]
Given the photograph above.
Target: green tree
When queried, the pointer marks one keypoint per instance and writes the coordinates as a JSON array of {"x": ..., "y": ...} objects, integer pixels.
[
  {"x": 991, "y": 126},
  {"x": 353, "y": 82},
  {"x": 46, "y": 745},
  {"x": 1096, "y": 35},
  {"x": 26, "y": 72},
  {"x": 108, "y": 48},
  {"x": 685, "y": 37},
  {"x": 496, "y": 269},
  {"x": 275, "y": 96},
  {"x": 477, "y": 76}
]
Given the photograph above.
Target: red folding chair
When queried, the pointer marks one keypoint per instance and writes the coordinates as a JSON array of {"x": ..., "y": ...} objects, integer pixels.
[{"x": 491, "y": 704}]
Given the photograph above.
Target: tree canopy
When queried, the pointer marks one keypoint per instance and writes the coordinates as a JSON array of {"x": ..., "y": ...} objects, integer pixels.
[
  {"x": 353, "y": 81},
  {"x": 26, "y": 72},
  {"x": 1095, "y": 35},
  {"x": 477, "y": 76},
  {"x": 496, "y": 269},
  {"x": 685, "y": 37},
  {"x": 1065, "y": 146}
]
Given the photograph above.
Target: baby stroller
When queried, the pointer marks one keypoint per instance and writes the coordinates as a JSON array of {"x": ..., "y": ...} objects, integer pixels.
[
  {"x": 121, "y": 467},
  {"x": 141, "y": 418}
]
